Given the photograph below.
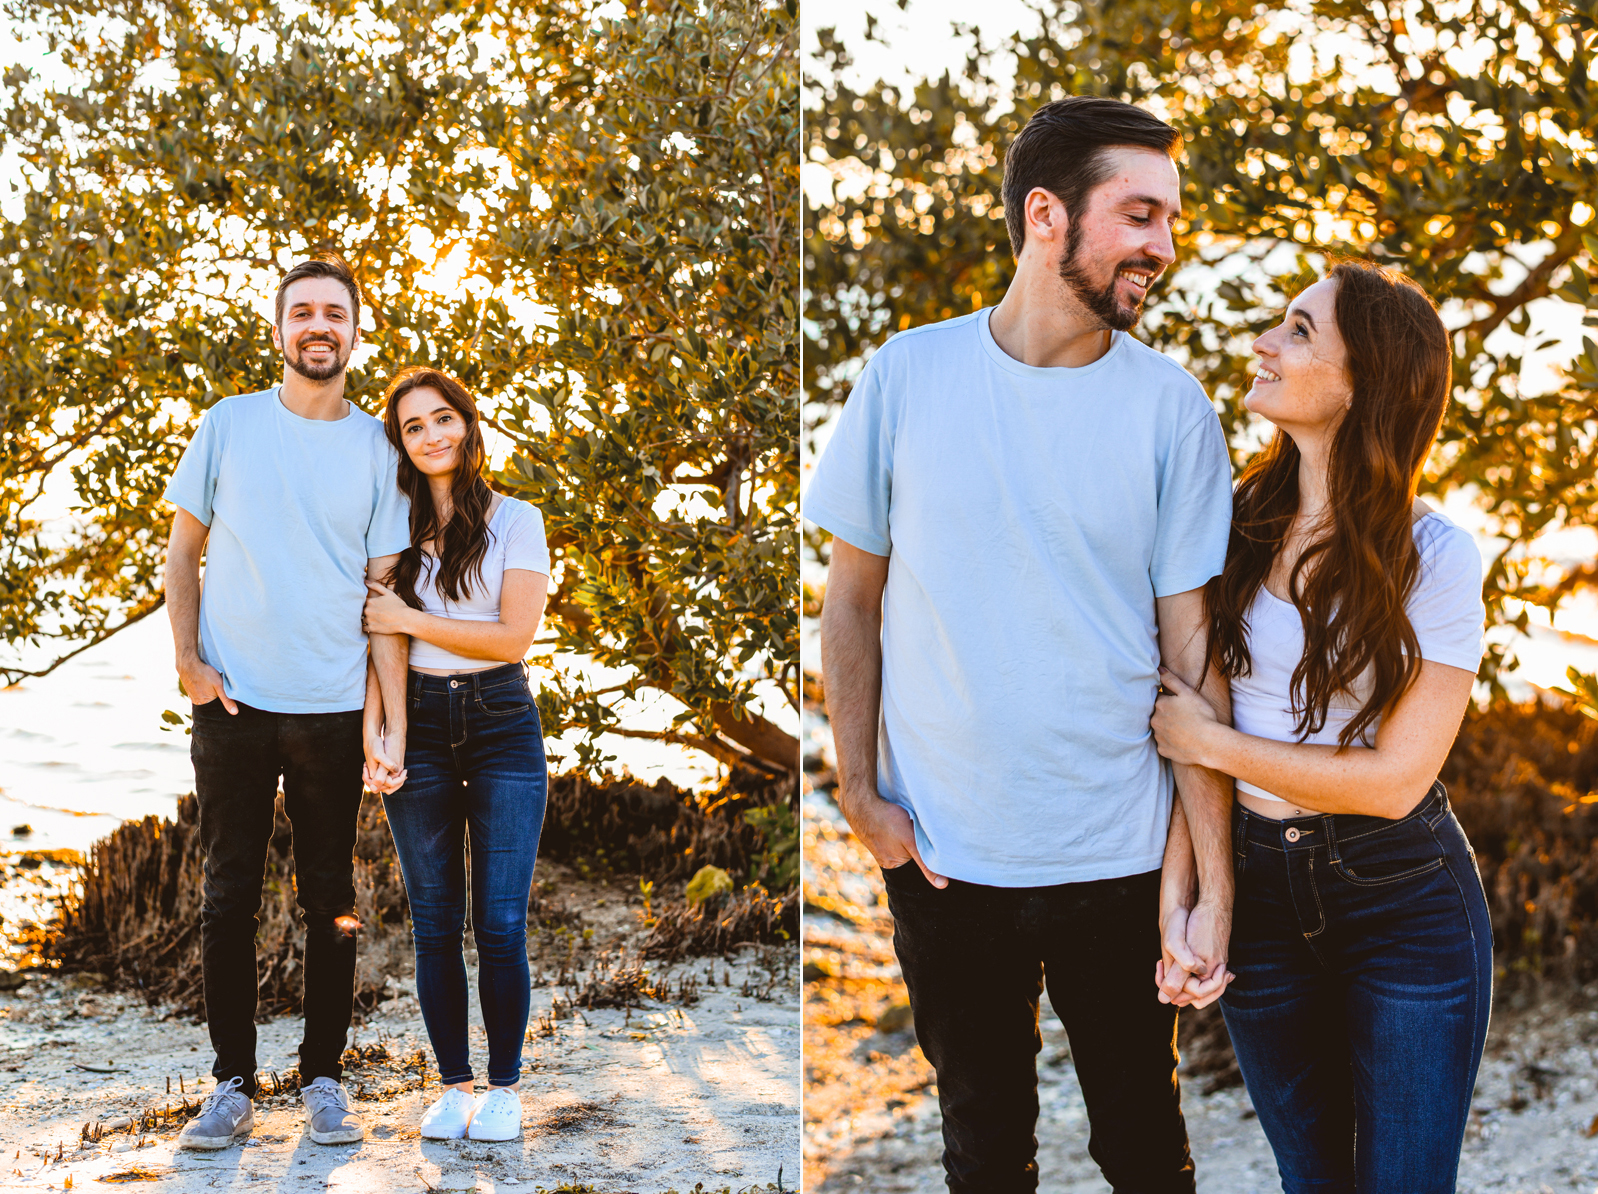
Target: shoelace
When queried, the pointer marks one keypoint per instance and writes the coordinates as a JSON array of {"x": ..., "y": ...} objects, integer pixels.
[
  {"x": 318, "y": 1097},
  {"x": 224, "y": 1097}
]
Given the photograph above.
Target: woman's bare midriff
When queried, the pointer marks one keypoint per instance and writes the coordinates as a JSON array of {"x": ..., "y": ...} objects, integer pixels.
[
  {"x": 456, "y": 671},
  {"x": 1276, "y": 810}
]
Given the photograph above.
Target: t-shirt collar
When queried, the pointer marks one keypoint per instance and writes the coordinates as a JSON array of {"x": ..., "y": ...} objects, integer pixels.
[{"x": 1050, "y": 373}]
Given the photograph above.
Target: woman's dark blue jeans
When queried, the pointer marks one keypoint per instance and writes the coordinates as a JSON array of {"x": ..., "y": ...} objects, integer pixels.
[
  {"x": 475, "y": 754},
  {"x": 1364, "y": 962}
]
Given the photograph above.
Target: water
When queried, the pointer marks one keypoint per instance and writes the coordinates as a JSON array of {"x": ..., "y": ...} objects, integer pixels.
[{"x": 83, "y": 749}]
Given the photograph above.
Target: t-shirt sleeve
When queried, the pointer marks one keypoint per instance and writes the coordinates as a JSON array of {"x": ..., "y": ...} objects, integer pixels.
[
  {"x": 389, "y": 531},
  {"x": 1195, "y": 511},
  {"x": 193, "y": 483},
  {"x": 1446, "y": 606},
  {"x": 525, "y": 546},
  {"x": 851, "y": 489}
]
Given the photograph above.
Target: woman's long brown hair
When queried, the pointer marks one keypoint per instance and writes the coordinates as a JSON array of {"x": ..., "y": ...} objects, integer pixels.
[
  {"x": 1349, "y": 586},
  {"x": 462, "y": 542}
]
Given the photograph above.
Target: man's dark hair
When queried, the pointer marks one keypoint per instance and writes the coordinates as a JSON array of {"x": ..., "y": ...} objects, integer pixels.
[
  {"x": 323, "y": 265},
  {"x": 1062, "y": 149}
]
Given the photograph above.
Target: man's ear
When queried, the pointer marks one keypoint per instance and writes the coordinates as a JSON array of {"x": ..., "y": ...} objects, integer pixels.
[
  {"x": 1045, "y": 217},
  {"x": 277, "y": 338}
]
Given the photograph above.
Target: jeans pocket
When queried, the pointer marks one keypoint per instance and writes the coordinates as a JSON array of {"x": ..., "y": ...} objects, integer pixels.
[
  {"x": 1379, "y": 871},
  {"x": 506, "y": 702}
]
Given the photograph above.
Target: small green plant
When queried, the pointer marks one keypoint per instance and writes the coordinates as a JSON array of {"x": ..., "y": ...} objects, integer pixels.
[
  {"x": 1583, "y": 691},
  {"x": 646, "y": 888},
  {"x": 778, "y": 865}
]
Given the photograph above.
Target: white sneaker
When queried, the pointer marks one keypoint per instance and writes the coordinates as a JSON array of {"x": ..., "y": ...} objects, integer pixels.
[
  {"x": 496, "y": 1115},
  {"x": 447, "y": 1118}
]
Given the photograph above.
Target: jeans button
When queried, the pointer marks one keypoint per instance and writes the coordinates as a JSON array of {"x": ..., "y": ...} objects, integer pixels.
[
  {"x": 454, "y": 684},
  {"x": 1292, "y": 835}
]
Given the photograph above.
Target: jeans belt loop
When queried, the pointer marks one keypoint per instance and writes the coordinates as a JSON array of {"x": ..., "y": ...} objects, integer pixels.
[
  {"x": 1331, "y": 837},
  {"x": 1240, "y": 832}
]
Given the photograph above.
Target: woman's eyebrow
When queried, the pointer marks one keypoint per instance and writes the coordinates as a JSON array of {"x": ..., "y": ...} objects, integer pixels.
[
  {"x": 1303, "y": 314},
  {"x": 437, "y": 410}
]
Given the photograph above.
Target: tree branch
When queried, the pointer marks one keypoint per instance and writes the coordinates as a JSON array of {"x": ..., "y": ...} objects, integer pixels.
[{"x": 12, "y": 675}]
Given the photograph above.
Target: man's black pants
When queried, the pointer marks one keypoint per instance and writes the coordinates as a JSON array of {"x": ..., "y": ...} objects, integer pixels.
[
  {"x": 237, "y": 762},
  {"x": 976, "y": 958}
]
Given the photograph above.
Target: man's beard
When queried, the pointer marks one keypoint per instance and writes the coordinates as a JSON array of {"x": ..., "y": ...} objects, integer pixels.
[
  {"x": 1100, "y": 301},
  {"x": 333, "y": 366}
]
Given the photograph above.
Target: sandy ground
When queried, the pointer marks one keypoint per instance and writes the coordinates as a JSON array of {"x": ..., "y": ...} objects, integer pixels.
[
  {"x": 871, "y": 1114},
  {"x": 700, "y": 1086},
  {"x": 1530, "y": 1131}
]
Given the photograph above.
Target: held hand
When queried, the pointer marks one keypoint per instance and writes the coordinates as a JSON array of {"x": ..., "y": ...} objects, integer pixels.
[
  {"x": 1182, "y": 721},
  {"x": 1177, "y": 960},
  {"x": 1209, "y": 931},
  {"x": 887, "y": 831},
  {"x": 203, "y": 683},
  {"x": 384, "y": 612},
  {"x": 374, "y": 780},
  {"x": 384, "y": 770}
]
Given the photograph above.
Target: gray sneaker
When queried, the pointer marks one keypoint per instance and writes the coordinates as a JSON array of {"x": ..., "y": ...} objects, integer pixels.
[
  {"x": 226, "y": 1117},
  {"x": 328, "y": 1118}
]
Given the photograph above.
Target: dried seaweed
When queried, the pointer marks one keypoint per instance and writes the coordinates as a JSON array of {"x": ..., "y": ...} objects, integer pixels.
[
  {"x": 715, "y": 926},
  {"x": 134, "y": 913}
]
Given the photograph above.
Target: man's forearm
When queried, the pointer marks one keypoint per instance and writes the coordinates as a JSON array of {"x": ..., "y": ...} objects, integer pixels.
[
  {"x": 1206, "y": 795},
  {"x": 390, "y": 659},
  {"x": 1178, "y": 879},
  {"x": 851, "y": 661},
  {"x": 372, "y": 710},
  {"x": 181, "y": 584},
  {"x": 1206, "y": 801}
]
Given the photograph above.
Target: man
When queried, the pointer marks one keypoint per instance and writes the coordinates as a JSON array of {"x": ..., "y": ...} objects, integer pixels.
[
  {"x": 1025, "y": 503},
  {"x": 294, "y": 490}
]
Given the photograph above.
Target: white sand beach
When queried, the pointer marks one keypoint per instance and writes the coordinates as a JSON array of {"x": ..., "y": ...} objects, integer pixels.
[{"x": 698, "y": 1086}]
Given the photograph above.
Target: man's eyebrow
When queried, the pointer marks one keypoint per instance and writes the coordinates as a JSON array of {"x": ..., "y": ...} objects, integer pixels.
[{"x": 1153, "y": 203}]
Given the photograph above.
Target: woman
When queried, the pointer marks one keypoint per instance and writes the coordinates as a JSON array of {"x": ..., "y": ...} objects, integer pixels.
[
  {"x": 1348, "y": 619},
  {"x": 469, "y": 592}
]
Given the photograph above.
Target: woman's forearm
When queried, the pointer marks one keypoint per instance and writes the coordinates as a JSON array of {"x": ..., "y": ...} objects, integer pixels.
[
  {"x": 473, "y": 640},
  {"x": 1356, "y": 779}
]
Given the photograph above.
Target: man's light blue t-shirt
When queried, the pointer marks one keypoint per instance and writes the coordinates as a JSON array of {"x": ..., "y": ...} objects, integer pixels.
[
  {"x": 1031, "y": 516},
  {"x": 296, "y": 507}
]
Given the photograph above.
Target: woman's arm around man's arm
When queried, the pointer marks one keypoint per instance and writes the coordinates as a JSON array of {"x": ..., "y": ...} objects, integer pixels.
[{"x": 521, "y": 605}]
